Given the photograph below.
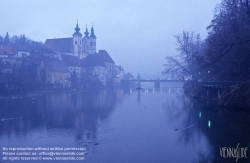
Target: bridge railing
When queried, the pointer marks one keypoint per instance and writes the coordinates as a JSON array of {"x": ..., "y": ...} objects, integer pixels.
[{"x": 219, "y": 84}]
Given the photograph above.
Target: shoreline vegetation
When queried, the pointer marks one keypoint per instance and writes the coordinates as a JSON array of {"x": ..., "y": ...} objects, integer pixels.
[
  {"x": 237, "y": 97},
  {"x": 222, "y": 56}
]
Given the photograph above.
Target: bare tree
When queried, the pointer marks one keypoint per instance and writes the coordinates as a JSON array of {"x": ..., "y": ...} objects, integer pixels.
[{"x": 189, "y": 48}]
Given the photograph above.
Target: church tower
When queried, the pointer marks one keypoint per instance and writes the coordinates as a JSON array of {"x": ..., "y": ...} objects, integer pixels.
[
  {"x": 85, "y": 42},
  {"x": 77, "y": 42},
  {"x": 92, "y": 42}
]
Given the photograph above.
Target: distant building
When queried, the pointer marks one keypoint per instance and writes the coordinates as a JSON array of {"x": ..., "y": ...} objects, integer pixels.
[
  {"x": 22, "y": 51},
  {"x": 74, "y": 65},
  {"x": 100, "y": 66},
  {"x": 129, "y": 76},
  {"x": 120, "y": 72},
  {"x": 80, "y": 56},
  {"x": 7, "y": 51},
  {"x": 53, "y": 71},
  {"x": 77, "y": 45}
]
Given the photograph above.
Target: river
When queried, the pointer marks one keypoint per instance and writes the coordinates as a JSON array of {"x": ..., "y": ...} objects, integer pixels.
[{"x": 122, "y": 125}]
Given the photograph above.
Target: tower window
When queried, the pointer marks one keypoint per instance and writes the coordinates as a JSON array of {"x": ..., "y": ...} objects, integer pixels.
[
  {"x": 75, "y": 42},
  {"x": 80, "y": 42},
  {"x": 91, "y": 44}
]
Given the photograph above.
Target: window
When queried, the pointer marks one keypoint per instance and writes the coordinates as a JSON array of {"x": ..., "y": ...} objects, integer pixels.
[
  {"x": 91, "y": 44},
  {"x": 80, "y": 42},
  {"x": 75, "y": 42}
]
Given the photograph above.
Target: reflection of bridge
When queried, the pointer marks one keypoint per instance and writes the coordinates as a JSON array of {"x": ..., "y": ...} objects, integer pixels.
[
  {"x": 152, "y": 80},
  {"x": 219, "y": 84},
  {"x": 155, "y": 81},
  {"x": 212, "y": 86}
]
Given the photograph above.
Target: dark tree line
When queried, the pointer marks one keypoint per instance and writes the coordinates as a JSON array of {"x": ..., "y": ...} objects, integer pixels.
[
  {"x": 20, "y": 42},
  {"x": 224, "y": 54}
]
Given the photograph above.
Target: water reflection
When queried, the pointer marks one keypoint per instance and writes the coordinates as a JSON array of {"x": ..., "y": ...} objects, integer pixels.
[
  {"x": 126, "y": 125},
  {"x": 79, "y": 112}
]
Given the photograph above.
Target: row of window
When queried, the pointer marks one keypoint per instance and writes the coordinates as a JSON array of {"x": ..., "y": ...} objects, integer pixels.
[
  {"x": 76, "y": 42},
  {"x": 91, "y": 43},
  {"x": 60, "y": 76}
]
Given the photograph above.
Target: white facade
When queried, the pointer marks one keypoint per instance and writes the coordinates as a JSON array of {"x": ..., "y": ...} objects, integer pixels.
[
  {"x": 21, "y": 54},
  {"x": 82, "y": 46},
  {"x": 92, "y": 45},
  {"x": 101, "y": 73},
  {"x": 77, "y": 40},
  {"x": 77, "y": 69}
]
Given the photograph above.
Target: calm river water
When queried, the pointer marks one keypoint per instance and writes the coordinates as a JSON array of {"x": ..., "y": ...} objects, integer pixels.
[{"x": 122, "y": 126}]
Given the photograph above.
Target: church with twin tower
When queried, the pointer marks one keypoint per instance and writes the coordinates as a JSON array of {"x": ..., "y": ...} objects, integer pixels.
[{"x": 79, "y": 46}]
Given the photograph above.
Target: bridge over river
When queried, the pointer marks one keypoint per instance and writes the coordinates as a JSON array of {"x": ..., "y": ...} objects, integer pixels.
[{"x": 157, "y": 82}]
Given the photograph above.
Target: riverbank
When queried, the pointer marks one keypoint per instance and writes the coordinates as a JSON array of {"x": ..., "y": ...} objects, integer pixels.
[{"x": 236, "y": 97}]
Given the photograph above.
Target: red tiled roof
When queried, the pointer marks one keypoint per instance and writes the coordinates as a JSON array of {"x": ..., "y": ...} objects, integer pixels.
[{"x": 7, "y": 49}]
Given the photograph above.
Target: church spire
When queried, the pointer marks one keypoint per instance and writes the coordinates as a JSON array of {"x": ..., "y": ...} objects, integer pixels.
[
  {"x": 77, "y": 29},
  {"x": 92, "y": 32},
  {"x": 86, "y": 32}
]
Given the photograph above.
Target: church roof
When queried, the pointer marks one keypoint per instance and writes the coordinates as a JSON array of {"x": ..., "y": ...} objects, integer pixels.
[
  {"x": 63, "y": 45},
  {"x": 105, "y": 57}
]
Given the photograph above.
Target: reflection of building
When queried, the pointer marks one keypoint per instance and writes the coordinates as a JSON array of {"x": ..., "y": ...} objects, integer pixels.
[{"x": 76, "y": 115}]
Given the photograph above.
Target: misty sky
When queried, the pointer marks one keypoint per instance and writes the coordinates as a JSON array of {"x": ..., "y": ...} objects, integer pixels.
[{"x": 137, "y": 34}]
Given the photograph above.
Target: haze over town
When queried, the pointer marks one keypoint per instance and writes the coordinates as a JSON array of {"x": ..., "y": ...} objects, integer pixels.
[{"x": 137, "y": 34}]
